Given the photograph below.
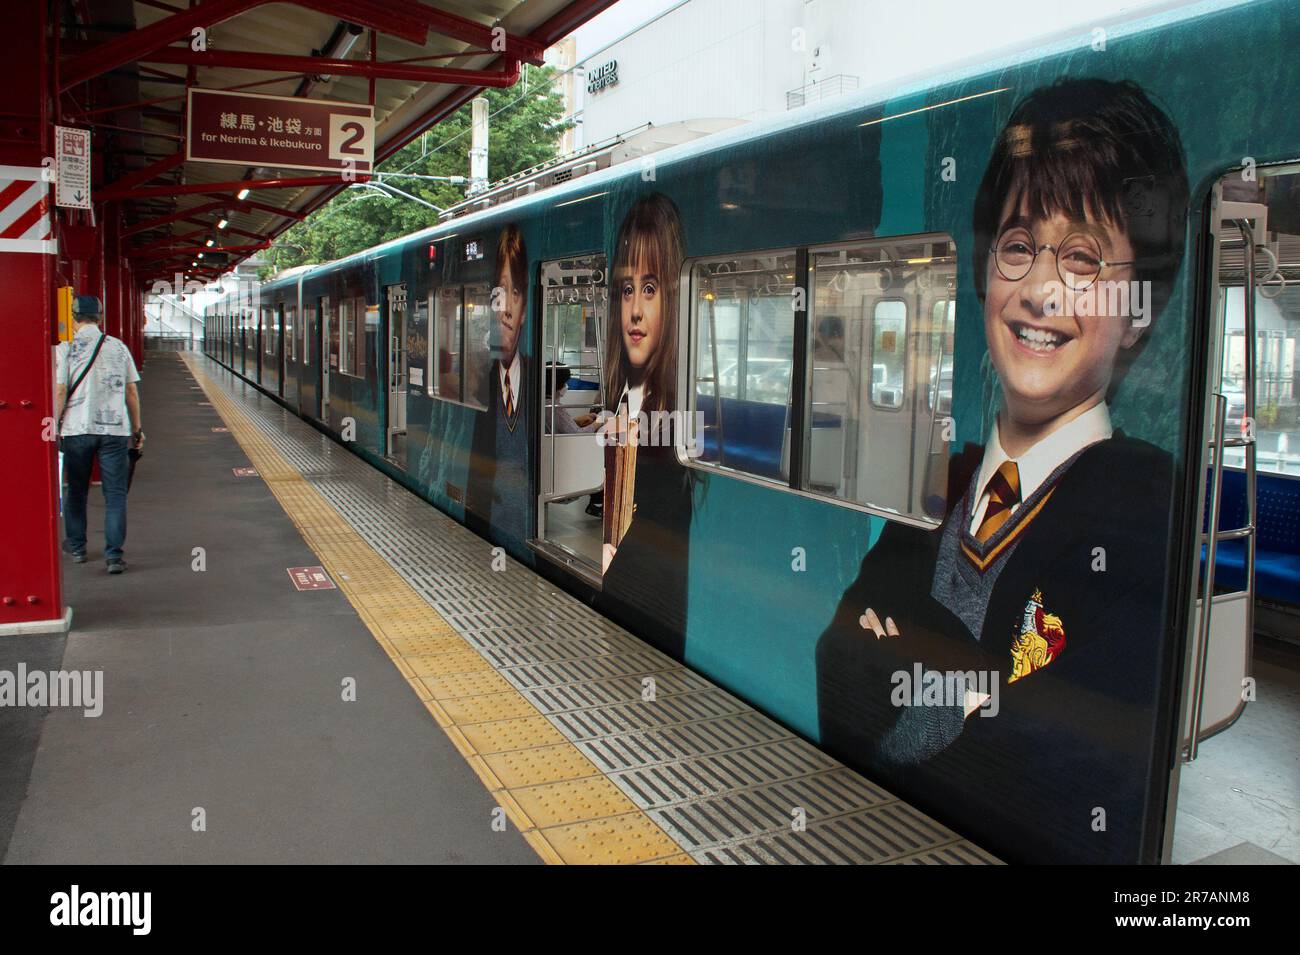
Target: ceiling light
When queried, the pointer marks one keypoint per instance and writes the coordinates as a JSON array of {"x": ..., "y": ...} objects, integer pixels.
[
  {"x": 223, "y": 223},
  {"x": 242, "y": 194},
  {"x": 210, "y": 243}
]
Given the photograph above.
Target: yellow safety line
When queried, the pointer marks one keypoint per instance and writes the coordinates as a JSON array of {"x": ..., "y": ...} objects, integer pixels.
[{"x": 558, "y": 799}]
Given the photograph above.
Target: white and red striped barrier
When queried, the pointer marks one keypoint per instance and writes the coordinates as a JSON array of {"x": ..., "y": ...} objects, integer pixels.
[{"x": 25, "y": 224}]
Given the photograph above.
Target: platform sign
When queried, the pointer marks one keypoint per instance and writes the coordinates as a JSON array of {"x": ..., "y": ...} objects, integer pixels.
[
  {"x": 310, "y": 578},
  {"x": 72, "y": 160},
  {"x": 251, "y": 129}
]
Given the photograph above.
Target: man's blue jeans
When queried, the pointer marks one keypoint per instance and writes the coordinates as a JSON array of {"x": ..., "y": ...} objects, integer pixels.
[{"x": 79, "y": 452}]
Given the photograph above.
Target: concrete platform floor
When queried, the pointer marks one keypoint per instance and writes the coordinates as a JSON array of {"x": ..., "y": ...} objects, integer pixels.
[{"x": 223, "y": 692}]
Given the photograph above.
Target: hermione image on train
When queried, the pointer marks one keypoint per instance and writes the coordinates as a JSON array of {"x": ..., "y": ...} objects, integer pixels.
[
  {"x": 647, "y": 492},
  {"x": 1044, "y": 586}
]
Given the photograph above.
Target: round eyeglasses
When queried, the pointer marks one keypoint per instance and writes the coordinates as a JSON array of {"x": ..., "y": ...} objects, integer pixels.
[{"x": 1078, "y": 257}]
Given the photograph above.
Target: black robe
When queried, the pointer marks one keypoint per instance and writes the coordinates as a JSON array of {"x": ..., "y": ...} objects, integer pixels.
[
  {"x": 497, "y": 486},
  {"x": 1070, "y": 738}
]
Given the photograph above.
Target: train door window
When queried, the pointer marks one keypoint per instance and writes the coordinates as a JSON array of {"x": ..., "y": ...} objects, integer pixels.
[
  {"x": 347, "y": 321},
  {"x": 268, "y": 331},
  {"x": 478, "y": 346},
  {"x": 880, "y": 374},
  {"x": 367, "y": 321},
  {"x": 888, "y": 354},
  {"x": 446, "y": 347},
  {"x": 461, "y": 344},
  {"x": 575, "y": 307},
  {"x": 397, "y": 373},
  {"x": 290, "y": 336},
  {"x": 743, "y": 316}
]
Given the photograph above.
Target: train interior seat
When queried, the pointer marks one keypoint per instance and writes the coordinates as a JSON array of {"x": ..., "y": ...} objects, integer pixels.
[{"x": 1277, "y": 554}]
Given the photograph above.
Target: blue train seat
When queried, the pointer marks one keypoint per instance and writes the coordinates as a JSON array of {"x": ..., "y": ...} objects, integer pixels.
[{"x": 1277, "y": 554}]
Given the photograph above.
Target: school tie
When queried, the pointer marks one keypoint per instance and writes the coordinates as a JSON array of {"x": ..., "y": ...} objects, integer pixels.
[
  {"x": 1004, "y": 493},
  {"x": 510, "y": 399}
]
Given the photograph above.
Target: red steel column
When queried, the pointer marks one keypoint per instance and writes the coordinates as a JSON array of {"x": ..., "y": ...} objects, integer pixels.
[{"x": 30, "y": 568}]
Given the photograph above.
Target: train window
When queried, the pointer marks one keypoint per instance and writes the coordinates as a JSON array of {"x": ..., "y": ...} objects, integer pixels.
[
  {"x": 268, "y": 332},
  {"x": 888, "y": 353},
  {"x": 460, "y": 343},
  {"x": 446, "y": 346},
  {"x": 477, "y": 343},
  {"x": 742, "y": 318},
  {"x": 880, "y": 374},
  {"x": 361, "y": 323},
  {"x": 290, "y": 336},
  {"x": 348, "y": 336}
]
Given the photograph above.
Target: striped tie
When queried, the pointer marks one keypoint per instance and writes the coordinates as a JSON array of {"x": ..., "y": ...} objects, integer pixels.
[
  {"x": 1003, "y": 490},
  {"x": 510, "y": 397}
]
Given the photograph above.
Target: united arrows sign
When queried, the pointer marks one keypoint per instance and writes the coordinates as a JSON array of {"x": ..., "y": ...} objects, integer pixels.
[{"x": 282, "y": 132}]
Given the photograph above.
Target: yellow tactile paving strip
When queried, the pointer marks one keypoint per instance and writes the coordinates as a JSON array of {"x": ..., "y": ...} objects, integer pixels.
[{"x": 561, "y": 803}]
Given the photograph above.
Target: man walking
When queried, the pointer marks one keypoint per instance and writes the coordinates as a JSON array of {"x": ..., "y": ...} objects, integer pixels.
[{"x": 98, "y": 407}]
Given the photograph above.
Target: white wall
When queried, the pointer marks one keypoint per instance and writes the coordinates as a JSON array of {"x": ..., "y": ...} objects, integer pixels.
[{"x": 737, "y": 59}]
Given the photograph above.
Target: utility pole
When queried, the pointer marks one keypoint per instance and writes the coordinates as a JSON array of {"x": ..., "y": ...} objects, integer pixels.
[{"x": 478, "y": 150}]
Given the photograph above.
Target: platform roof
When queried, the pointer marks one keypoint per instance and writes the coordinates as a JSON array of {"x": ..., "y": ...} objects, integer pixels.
[{"x": 126, "y": 72}]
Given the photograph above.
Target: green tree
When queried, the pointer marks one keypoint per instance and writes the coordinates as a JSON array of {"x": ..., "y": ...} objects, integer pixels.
[{"x": 524, "y": 130}]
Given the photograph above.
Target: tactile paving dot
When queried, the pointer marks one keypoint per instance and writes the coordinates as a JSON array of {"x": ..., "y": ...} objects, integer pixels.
[
  {"x": 503, "y": 735},
  {"x": 450, "y": 686},
  {"x": 456, "y": 661},
  {"x": 488, "y": 707},
  {"x": 577, "y": 800},
  {"x": 541, "y": 764},
  {"x": 618, "y": 839},
  {"x": 416, "y": 644}
]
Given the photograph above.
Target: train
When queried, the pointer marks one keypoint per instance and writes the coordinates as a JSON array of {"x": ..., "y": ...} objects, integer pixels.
[{"x": 888, "y": 414}]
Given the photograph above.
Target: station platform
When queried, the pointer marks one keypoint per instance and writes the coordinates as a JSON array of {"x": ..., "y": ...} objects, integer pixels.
[{"x": 423, "y": 708}]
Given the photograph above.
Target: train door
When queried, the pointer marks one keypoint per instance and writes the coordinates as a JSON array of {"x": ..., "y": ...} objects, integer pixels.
[
  {"x": 329, "y": 354},
  {"x": 281, "y": 346},
  {"x": 571, "y": 471},
  {"x": 1236, "y": 759},
  {"x": 397, "y": 374}
]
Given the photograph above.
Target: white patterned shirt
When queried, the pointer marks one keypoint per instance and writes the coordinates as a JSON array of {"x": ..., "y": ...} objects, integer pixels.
[{"x": 99, "y": 404}]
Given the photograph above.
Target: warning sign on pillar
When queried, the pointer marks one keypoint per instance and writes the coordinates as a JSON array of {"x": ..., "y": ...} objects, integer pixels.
[
  {"x": 72, "y": 160},
  {"x": 310, "y": 578}
]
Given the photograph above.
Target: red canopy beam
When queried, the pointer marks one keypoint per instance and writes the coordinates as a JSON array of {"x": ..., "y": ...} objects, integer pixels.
[
  {"x": 194, "y": 250},
  {"x": 274, "y": 62},
  {"x": 461, "y": 28},
  {"x": 297, "y": 182},
  {"x": 142, "y": 176},
  {"x": 392, "y": 18},
  {"x": 211, "y": 227},
  {"x": 251, "y": 205}
]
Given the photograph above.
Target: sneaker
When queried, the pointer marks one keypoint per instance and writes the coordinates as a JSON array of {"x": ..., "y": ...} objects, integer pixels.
[
  {"x": 78, "y": 556},
  {"x": 117, "y": 566}
]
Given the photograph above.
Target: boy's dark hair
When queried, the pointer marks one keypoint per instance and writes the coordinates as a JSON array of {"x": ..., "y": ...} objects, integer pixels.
[{"x": 1092, "y": 147}]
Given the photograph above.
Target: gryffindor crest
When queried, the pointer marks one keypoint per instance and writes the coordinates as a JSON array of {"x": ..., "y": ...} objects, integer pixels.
[{"x": 1041, "y": 639}]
